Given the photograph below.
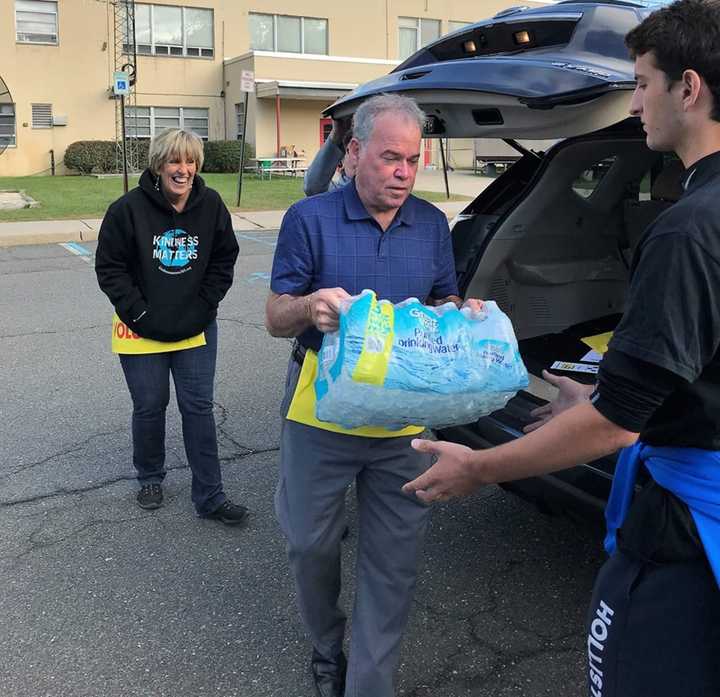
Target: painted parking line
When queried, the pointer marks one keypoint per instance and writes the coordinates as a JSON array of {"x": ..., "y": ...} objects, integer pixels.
[
  {"x": 251, "y": 238},
  {"x": 80, "y": 251},
  {"x": 261, "y": 276}
]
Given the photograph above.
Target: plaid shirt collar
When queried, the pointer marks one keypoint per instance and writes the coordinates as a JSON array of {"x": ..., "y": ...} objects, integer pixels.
[{"x": 355, "y": 208}]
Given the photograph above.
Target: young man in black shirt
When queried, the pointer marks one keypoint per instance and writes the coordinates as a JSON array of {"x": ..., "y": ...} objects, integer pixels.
[{"x": 654, "y": 621}]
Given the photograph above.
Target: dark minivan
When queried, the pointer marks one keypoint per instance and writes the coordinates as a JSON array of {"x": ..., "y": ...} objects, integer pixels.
[{"x": 551, "y": 239}]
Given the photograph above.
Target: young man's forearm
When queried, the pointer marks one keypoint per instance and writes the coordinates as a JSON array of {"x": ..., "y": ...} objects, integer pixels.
[{"x": 580, "y": 434}]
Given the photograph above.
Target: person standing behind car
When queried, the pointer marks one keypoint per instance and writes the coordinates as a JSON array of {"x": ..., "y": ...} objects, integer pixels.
[
  {"x": 322, "y": 175},
  {"x": 654, "y": 619},
  {"x": 165, "y": 257}
]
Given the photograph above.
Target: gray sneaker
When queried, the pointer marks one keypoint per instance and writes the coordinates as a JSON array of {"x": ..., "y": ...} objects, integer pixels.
[{"x": 150, "y": 496}]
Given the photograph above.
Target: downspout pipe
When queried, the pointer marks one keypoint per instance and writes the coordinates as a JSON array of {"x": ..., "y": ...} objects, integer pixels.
[{"x": 277, "y": 123}]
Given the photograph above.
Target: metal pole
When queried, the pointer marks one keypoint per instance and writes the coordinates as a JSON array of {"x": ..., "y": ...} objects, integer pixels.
[
  {"x": 242, "y": 148},
  {"x": 442, "y": 157},
  {"x": 52, "y": 162},
  {"x": 124, "y": 143}
]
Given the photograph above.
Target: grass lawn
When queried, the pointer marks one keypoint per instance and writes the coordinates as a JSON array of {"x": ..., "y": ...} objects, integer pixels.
[{"x": 89, "y": 197}]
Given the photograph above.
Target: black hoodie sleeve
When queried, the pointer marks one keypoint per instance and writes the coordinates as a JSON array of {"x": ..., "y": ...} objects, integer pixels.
[
  {"x": 113, "y": 263},
  {"x": 219, "y": 273}
]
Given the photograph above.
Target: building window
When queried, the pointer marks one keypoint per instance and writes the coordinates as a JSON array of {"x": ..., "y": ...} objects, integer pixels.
[
  {"x": 288, "y": 34},
  {"x": 167, "y": 30},
  {"x": 315, "y": 35},
  {"x": 138, "y": 121},
  {"x": 147, "y": 121},
  {"x": 239, "y": 123},
  {"x": 7, "y": 125},
  {"x": 195, "y": 120},
  {"x": 165, "y": 117},
  {"x": 143, "y": 33},
  {"x": 261, "y": 32},
  {"x": 36, "y": 21},
  {"x": 42, "y": 116},
  {"x": 198, "y": 32},
  {"x": 415, "y": 33}
]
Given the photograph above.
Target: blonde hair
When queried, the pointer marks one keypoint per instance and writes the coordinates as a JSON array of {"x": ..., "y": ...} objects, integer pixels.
[{"x": 174, "y": 142}]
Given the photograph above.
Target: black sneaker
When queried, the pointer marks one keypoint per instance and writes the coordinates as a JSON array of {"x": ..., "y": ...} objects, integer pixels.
[
  {"x": 229, "y": 513},
  {"x": 329, "y": 675},
  {"x": 150, "y": 496}
]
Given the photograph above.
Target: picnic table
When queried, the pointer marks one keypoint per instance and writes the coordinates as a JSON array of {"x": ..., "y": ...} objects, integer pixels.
[
  {"x": 277, "y": 165},
  {"x": 488, "y": 164}
]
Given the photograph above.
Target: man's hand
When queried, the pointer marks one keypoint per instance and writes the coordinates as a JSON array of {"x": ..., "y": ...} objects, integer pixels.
[
  {"x": 474, "y": 305},
  {"x": 339, "y": 128},
  {"x": 570, "y": 394},
  {"x": 452, "y": 475},
  {"x": 323, "y": 308}
]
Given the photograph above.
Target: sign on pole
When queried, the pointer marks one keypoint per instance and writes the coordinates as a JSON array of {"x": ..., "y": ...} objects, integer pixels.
[
  {"x": 121, "y": 83},
  {"x": 121, "y": 88},
  {"x": 247, "y": 85},
  {"x": 247, "y": 81}
]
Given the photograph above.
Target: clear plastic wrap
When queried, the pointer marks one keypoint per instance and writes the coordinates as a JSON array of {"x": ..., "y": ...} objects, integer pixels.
[{"x": 396, "y": 365}]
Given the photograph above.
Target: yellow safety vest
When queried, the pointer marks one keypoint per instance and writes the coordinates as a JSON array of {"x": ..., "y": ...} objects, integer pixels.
[
  {"x": 302, "y": 407},
  {"x": 126, "y": 341}
]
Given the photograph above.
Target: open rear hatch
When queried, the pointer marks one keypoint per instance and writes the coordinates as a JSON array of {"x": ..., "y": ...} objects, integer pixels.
[
  {"x": 552, "y": 255},
  {"x": 551, "y": 72}
]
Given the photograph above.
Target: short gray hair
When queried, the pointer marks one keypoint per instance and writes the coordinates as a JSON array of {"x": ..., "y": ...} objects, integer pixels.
[
  {"x": 174, "y": 142},
  {"x": 368, "y": 111}
]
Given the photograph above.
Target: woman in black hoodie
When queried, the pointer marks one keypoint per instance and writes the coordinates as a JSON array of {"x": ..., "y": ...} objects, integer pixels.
[{"x": 165, "y": 258}]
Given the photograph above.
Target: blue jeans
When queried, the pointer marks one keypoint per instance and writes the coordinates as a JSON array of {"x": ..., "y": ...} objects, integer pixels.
[{"x": 148, "y": 379}]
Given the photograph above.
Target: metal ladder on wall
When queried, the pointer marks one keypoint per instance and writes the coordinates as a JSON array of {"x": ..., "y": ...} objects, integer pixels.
[{"x": 125, "y": 59}]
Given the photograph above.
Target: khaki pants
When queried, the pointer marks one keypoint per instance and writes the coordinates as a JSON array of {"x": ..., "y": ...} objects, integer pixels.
[{"x": 316, "y": 469}]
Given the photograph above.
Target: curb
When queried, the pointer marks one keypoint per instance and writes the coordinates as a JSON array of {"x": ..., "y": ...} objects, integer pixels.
[
  {"x": 48, "y": 232},
  {"x": 35, "y": 232}
]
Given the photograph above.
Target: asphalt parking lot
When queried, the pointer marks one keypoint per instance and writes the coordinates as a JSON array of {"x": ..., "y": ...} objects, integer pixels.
[{"x": 102, "y": 598}]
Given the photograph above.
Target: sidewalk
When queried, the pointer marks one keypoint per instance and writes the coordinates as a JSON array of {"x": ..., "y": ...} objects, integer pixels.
[
  {"x": 54, "y": 231},
  {"x": 86, "y": 230}
]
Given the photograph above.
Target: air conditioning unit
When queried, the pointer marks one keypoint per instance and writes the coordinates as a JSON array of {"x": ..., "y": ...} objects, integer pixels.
[{"x": 59, "y": 120}]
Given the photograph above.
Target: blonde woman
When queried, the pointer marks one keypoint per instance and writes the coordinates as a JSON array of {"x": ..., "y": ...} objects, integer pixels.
[{"x": 165, "y": 259}]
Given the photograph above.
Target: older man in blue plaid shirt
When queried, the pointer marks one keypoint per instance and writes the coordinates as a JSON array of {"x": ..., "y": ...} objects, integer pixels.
[{"x": 370, "y": 234}]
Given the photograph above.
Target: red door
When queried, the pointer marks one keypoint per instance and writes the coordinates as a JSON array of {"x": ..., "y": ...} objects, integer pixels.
[
  {"x": 427, "y": 152},
  {"x": 325, "y": 128}
]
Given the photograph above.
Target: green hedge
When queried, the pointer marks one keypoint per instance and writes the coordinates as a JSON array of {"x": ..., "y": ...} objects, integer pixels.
[
  {"x": 101, "y": 156},
  {"x": 224, "y": 155},
  {"x": 91, "y": 156}
]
